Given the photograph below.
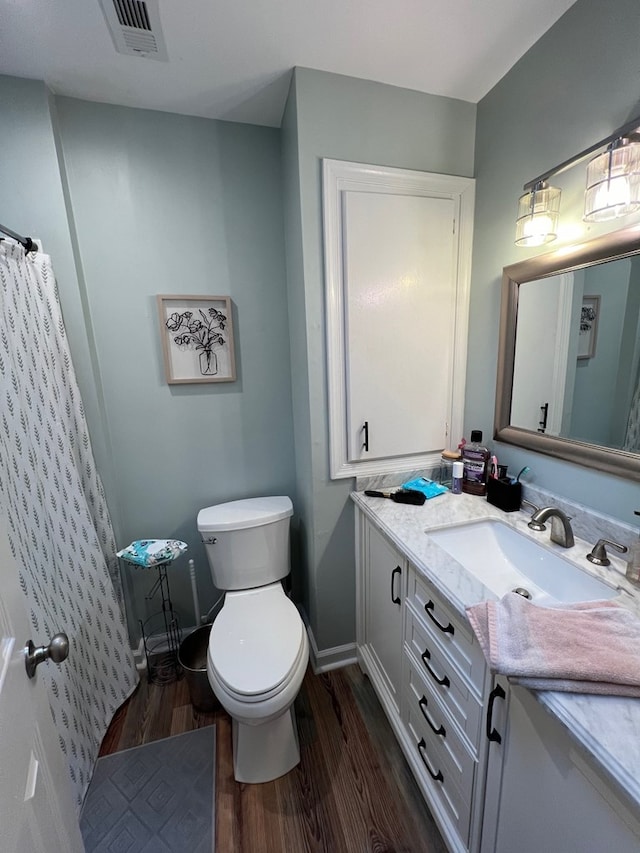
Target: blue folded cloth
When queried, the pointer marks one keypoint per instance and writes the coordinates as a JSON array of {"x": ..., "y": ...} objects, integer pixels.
[
  {"x": 152, "y": 552},
  {"x": 427, "y": 487}
]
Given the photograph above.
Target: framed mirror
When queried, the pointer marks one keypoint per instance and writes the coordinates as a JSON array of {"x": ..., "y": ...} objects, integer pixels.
[{"x": 569, "y": 358}]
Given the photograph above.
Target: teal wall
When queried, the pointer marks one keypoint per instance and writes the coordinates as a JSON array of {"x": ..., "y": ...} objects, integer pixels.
[
  {"x": 33, "y": 203},
  {"x": 574, "y": 86},
  {"x": 130, "y": 204},
  {"x": 594, "y": 389},
  {"x": 297, "y": 345},
  {"x": 169, "y": 204},
  {"x": 330, "y": 116}
]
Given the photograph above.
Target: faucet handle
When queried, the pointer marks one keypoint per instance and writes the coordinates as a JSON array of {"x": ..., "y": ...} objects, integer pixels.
[
  {"x": 598, "y": 554},
  {"x": 534, "y": 525}
]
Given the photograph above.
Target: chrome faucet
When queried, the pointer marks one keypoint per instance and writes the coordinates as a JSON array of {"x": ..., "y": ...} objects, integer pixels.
[{"x": 561, "y": 532}]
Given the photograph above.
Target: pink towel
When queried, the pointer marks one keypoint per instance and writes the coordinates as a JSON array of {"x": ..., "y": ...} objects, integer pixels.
[{"x": 590, "y": 647}]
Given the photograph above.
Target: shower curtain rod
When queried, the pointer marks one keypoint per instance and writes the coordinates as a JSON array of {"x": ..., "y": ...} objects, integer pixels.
[{"x": 27, "y": 242}]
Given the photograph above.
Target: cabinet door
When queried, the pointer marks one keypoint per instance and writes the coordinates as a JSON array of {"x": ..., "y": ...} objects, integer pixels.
[
  {"x": 397, "y": 263},
  {"x": 496, "y": 730},
  {"x": 550, "y": 798},
  {"x": 385, "y": 580},
  {"x": 400, "y": 315}
]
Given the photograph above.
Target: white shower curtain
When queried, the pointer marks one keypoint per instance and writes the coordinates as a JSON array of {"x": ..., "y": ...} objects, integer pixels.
[{"x": 59, "y": 525}]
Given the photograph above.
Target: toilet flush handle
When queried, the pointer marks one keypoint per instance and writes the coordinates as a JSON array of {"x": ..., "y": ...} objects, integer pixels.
[{"x": 210, "y": 540}]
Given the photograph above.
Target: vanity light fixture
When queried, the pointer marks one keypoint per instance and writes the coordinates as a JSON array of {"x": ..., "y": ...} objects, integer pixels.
[
  {"x": 613, "y": 181},
  {"x": 613, "y": 187},
  {"x": 538, "y": 211}
]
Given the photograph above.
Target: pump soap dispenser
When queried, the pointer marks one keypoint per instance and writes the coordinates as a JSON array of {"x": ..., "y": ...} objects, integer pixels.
[{"x": 633, "y": 566}]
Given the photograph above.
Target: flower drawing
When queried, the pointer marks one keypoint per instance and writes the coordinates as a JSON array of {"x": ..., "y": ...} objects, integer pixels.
[
  {"x": 587, "y": 316},
  {"x": 203, "y": 333}
]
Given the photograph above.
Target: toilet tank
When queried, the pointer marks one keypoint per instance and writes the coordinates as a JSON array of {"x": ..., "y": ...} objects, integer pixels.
[{"x": 247, "y": 541}]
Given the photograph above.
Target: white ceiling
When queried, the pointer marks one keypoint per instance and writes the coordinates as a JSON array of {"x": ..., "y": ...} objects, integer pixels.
[{"x": 231, "y": 59}]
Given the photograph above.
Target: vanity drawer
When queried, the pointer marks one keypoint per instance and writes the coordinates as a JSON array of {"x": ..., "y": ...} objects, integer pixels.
[
  {"x": 431, "y": 665},
  {"x": 452, "y": 632},
  {"x": 439, "y": 771},
  {"x": 444, "y": 744}
]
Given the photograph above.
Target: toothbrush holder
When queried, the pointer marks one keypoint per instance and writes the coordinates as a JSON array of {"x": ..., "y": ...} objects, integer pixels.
[{"x": 504, "y": 494}]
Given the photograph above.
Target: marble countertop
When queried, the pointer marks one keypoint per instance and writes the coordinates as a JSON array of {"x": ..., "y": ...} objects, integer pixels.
[{"x": 607, "y": 728}]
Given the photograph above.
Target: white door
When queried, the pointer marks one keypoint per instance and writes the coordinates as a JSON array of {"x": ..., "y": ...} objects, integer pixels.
[
  {"x": 400, "y": 322},
  {"x": 541, "y": 359},
  {"x": 36, "y": 807}
]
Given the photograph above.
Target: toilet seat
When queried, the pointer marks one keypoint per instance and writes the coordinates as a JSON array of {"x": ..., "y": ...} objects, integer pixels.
[
  {"x": 261, "y": 698},
  {"x": 256, "y": 643}
]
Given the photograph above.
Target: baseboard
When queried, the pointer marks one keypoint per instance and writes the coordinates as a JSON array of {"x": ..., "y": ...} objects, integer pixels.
[
  {"x": 139, "y": 657},
  {"x": 334, "y": 658},
  {"x": 327, "y": 659},
  {"x": 321, "y": 660},
  {"x": 159, "y": 643}
]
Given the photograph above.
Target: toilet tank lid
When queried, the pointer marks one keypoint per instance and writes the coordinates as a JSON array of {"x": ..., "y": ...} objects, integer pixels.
[{"x": 237, "y": 515}]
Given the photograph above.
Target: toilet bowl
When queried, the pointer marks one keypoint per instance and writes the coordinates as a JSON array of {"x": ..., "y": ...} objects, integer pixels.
[
  {"x": 258, "y": 648},
  {"x": 256, "y": 661}
]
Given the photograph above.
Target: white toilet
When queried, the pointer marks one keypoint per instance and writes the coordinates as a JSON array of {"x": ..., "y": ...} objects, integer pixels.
[{"x": 258, "y": 648}]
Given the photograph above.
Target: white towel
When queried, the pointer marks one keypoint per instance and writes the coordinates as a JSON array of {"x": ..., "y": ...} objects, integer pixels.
[{"x": 590, "y": 647}]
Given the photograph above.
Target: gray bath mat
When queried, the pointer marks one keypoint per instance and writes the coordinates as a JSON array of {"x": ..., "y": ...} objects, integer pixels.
[{"x": 156, "y": 798}]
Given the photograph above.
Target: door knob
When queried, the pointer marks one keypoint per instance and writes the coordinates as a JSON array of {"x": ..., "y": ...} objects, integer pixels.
[{"x": 57, "y": 651}]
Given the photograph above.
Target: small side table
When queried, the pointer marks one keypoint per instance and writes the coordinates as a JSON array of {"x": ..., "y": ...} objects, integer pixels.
[{"x": 161, "y": 634}]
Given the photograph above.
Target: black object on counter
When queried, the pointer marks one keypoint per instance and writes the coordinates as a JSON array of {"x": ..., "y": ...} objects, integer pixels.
[
  {"x": 504, "y": 494},
  {"x": 402, "y": 496}
]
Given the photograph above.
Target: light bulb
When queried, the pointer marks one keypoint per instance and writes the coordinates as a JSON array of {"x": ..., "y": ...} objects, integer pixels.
[
  {"x": 537, "y": 230},
  {"x": 612, "y": 196}
]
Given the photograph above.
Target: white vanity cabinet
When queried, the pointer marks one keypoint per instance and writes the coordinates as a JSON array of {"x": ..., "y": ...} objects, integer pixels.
[
  {"x": 382, "y": 584},
  {"x": 430, "y": 676},
  {"x": 499, "y": 771},
  {"x": 542, "y": 793},
  {"x": 445, "y": 675}
]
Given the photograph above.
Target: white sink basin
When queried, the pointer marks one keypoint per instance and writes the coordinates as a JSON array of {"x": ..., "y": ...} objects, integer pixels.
[{"x": 503, "y": 559}]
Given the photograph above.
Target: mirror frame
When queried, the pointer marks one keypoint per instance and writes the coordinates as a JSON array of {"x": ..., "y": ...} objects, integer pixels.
[{"x": 619, "y": 244}]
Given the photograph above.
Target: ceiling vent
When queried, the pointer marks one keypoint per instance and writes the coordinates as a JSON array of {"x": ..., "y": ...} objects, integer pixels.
[{"x": 135, "y": 27}]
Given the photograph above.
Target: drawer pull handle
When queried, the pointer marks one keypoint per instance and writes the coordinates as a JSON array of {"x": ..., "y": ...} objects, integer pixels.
[
  {"x": 395, "y": 598},
  {"x": 493, "y": 734},
  {"x": 437, "y": 777},
  {"x": 444, "y": 681},
  {"x": 446, "y": 629},
  {"x": 423, "y": 707}
]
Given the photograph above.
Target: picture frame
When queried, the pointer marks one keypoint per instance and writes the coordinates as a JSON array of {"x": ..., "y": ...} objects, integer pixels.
[
  {"x": 197, "y": 338},
  {"x": 587, "y": 336}
]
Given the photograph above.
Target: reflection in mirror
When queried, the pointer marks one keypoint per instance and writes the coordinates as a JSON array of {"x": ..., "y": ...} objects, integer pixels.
[
  {"x": 569, "y": 366},
  {"x": 582, "y": 327}
]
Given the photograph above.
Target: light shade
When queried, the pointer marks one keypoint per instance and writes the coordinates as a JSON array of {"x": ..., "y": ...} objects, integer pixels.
[
  {"x": 538, "y": 210},
  {"x": 613, "y": 182}
]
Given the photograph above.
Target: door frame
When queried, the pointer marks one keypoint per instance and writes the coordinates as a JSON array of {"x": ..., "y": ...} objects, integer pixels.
[{"x": 340, "y": 176}]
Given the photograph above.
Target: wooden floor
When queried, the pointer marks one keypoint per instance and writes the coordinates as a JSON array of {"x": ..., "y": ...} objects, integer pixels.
[{"x": 351, "y": 793}]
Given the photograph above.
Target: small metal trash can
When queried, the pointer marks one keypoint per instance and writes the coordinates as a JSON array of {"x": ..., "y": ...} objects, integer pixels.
[{"x": 192, "y": 657}]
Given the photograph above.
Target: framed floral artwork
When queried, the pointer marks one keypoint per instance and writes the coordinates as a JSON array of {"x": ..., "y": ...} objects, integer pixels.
[
  {"x": 589, "y": 314},
  {"x": 197, "y": 338}
]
